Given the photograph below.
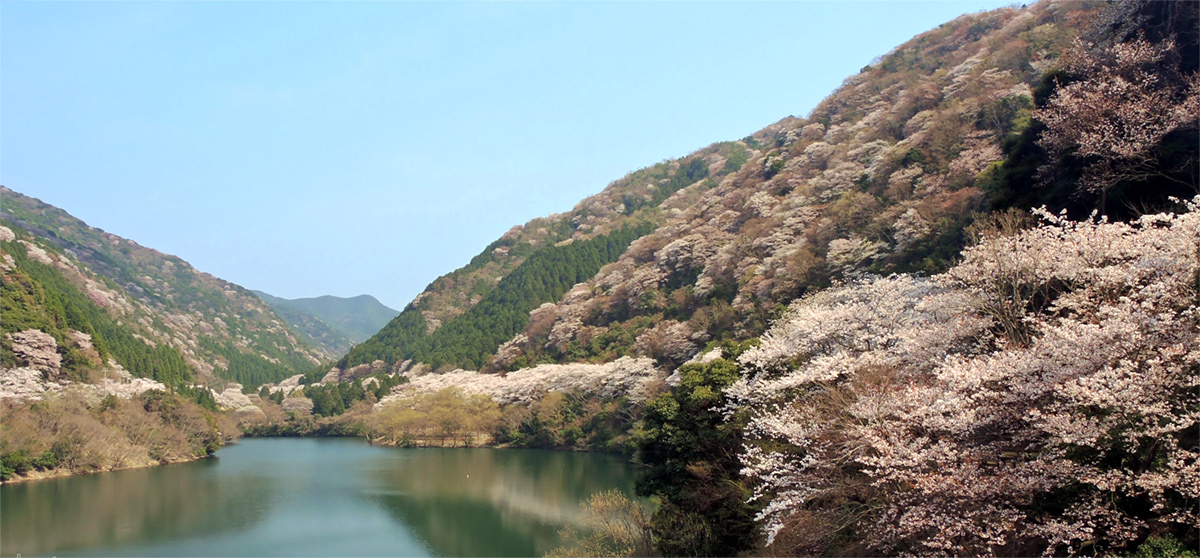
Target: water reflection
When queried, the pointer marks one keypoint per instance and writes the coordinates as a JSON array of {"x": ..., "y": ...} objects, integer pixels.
[
  {"x": 126, "y": 506},
  {"x": 515, "y": 501},
  {"x": 279, "y": 497}
]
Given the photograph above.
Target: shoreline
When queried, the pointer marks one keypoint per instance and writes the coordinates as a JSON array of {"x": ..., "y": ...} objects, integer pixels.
[
  {"x": 64, "y": 473},
  {"x": 37, "y": 476}
]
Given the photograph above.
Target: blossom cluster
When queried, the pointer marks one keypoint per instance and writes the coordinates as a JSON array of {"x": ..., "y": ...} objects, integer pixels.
[
  {"x": 1041, "y": 396},
  {"x": 626, "y": 376}
]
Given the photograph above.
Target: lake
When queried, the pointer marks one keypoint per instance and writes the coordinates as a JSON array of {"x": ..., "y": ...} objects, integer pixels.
[{"x": 314, "y": 497}]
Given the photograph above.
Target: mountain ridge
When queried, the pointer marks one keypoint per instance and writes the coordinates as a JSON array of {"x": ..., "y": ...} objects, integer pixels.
[
  {"x": 221, "y": 331},
  {"x": 354, "y": 318},
  {"x": 885, "y": 175}
]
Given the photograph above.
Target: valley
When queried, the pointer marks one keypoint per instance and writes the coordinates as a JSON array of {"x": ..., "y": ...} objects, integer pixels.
[{"x": 952, "y": 310}]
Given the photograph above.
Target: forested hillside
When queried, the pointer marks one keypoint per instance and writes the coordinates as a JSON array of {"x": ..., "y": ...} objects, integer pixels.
[
  {"x": 952, "y": 311},
  {"x": 884, "y": 176},
  {"x": 356, "y": 318},
  {"x": 637, "y": 202},
  {"x": 310, "y": 328},
  {"x": 955, "y": 310},
  {"x": 1026, "y": 384},
  {"x": 468, "y": 339},
  {"x": 982, "y": 114},
  {"x": 152, "y": 313}
]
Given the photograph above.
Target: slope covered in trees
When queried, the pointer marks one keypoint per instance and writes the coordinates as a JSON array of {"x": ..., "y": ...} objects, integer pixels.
[
  {"x": 649, "y": 195},
  {"x": 990, "y": 111},
  {"x": 100, "y": 296},
  {"x": 355, "y": 318},
  {"x": 38, "y": 296},
  {"x": 310, "y": 328},
  {"x": 940, "y": 371},
  {"x": 467, "y": 340},
  {"x": 1037, "y": 398}
]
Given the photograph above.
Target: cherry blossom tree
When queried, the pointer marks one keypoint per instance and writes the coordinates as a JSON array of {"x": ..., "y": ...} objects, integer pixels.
[
  {"x": 1125, "y": 101},
  {"x": 908, "y": 410}
]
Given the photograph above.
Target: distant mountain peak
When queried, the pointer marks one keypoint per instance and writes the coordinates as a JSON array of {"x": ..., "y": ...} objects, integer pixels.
[{"x": 354, "y": 318}]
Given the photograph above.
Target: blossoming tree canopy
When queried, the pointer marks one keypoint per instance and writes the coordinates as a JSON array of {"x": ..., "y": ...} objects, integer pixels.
[{"x": 1040, "y": 396}]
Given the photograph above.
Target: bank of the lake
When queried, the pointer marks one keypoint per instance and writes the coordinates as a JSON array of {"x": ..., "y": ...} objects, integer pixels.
[
  {"x": 314, "y": 497},
  {"x": 35, "y": 475}
]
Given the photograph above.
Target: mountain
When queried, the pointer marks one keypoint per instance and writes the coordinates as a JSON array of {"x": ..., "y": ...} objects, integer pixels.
[
  {"x": 310, "y": 328},
  {"x": 96, "y": 296},
  {"x": 886, "y": 175},
  {"x": 951, "y": 311},
  {"x": 355, "y": 319},
  {"x": 536, "y": 263}
]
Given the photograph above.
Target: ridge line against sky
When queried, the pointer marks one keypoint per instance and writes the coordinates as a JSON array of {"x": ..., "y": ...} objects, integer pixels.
[{"x": 314, "y": 148}]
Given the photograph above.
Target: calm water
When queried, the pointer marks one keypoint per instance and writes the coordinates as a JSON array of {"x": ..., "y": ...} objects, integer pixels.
[{"x": 313, "y": 497}]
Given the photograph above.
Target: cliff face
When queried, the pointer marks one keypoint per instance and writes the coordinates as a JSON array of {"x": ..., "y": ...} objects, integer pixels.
[
  {"x": 97, "y": 301},
  {"x": 884, "y": 176}
]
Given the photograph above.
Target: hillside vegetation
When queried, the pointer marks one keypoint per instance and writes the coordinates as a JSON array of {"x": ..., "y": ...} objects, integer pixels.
[
  {"x": 152, "y": 313},
  {"x": 467, "y": 339},
  {"x": 308, "y": 327},
  {"x": 879, "y": 343},
  {"x": 354, "y": 319},
  {"x": 637, "y": 203},
  {"x": 982, "y": 114},
  {"x": 955, "y": 310}
]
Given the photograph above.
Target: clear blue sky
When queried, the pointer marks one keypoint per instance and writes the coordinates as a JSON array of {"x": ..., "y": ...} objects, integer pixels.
[{"x": 309, "y": 148}]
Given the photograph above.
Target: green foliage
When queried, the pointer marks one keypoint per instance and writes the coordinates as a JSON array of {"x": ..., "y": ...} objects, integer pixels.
[
  {"x": 570, "y": 420},
  {"x": 469, "y": 339},
  {"x": 355, "y": 318},
  {"x": 1163, "y": 547},
  {"x": 40, "y": 297},
  {"x": 690, "y": 452},
  {"x": 666, "y": 182},
  {"x": 1015, "y": 182},
  {"x": 736, "y": 157},
  {"x": 311, "y": 329},
  {"x": 774, "y": 165},
  {"x": 201, "y": 396},
  {"x": 334, "y": 399},
  {"x": 43, "y": 297},
  {"x": 109, "y": 401},
  {"x": 50, "y": 458},
  {"x": 250, "y": 370},
  {"x": 16, "y": 462}
]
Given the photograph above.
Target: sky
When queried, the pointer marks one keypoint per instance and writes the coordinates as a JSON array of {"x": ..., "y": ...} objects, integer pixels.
[{"x": 343, "y": 148}]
